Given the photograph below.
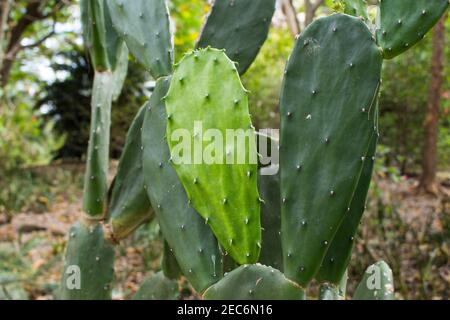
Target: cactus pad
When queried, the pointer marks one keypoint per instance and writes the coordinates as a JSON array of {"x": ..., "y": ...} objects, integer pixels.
[
  {"x": 403, "y": 23},
  {"x": 95, "y": 182},
  {"x": 240, "y": 27},
  {"x": 129, "y": 205},
  {"x": 169, "y": 263},
  {"x": 340, "y": 251},
  {"x": 145, "y": 27},
  {"x": 254, "y": 282},
  {"x": 191, "y": 240},
  {"x": 377, "y": 283},
  {"x": 357, "y": 8},
  {"x": 89, "y": 265},
  {"x": 327, "y": 120},
  {"x": 206, "y": 94}
]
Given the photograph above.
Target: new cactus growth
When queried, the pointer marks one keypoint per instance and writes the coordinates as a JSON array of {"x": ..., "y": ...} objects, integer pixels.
[
  {"x": 327, "y": 120},
  {"x": 254, "y": 282},
  {"x": 240, "y": 27},
  {"x": 403, "y": 23},
  {"x": 206, "y": 101}
]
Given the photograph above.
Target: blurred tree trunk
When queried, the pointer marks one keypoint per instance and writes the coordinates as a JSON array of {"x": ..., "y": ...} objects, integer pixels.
[
  {"x": 291, "y": 16},
  {"x": 12, "y": 29},
  {"x": 310, "y": 10},
  {"x": 429, "y": 152}
]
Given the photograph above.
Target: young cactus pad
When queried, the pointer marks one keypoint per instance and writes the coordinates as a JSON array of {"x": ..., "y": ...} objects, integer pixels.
[
  {"x": 95, "y": 182},
  {"x": 377, "y": 283},
  {"x": 89, "y": 265},
  {"x": 340, "y": 251},
  {"x": 240, "y": 27},
  {"x": 191, "y": 240},
  {"x": 327, "y": 119},
  {"x": 403, "y": 23},
  {"x": 205, "y": 103},
  {"x": 129, "y": 205},
  {"x": 145, "y": 27},
  {"x": 254, "y": 282}
]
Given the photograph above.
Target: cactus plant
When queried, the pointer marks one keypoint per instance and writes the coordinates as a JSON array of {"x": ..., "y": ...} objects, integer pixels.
[
  {"x": 238, "y": 26},
  {"x": 326, "y": 158},
  {"x": 329, "y": 133},
  {"x": 197, "y": 103}
]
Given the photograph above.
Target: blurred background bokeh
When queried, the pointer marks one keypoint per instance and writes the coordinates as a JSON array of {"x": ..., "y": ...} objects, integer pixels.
[{"x": 45, "y": 81}]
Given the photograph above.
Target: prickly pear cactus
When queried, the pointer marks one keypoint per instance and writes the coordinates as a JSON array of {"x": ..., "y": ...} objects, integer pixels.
[
  {"x": 403, "y": 23},
  {"x": 340, "y": 251},
  {"x": 191, "y": 240},
  {"x": 377, "y": 283},
  {"x": 95, "y": 182},
  {"x": 254, "y": 282},
  {"x": 89, "y": 265},
  {"x": 327, "y": 120},
  {"x": 329, "y": 291},
  {"x": 240, "y": 27},
  {"x": 206, "y": 101},
  {"x": 145, "y": 27},
  {"x": 269, "y": 190},
  {"x": 157, "y": 287},
  {"x": 129, "y": 205}
]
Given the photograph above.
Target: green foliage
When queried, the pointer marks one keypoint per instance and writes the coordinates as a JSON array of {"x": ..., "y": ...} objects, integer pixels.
[
  {"x": 157, "y": 287},
  {"x": 25, "y": 138}
]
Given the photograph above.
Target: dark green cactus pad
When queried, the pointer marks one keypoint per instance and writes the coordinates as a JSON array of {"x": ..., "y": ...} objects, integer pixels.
[
  {"x": 145, "y": 27},
  {"x": 129, "y": 205},
  {"x": 100, "y": 37},
  {"x": 95, "y": 182},
  {"x": 240, "y": 27},
  {"x": 191, "y": 240},
  {"x": 169, "y": 263},
  {"x": 157, "y": 287},
  {"x": 357, "y": 8},
  {"x": 206, "y": 94},
  {"x": 340, "y": 251},
  {"x": 327, "y": 120},
  {"x": 377, "y": 283},
  {"x": 89, "y": 265},
  {"x": 269, "y": 190},
  {"x": 403, "y": 23},
  {"x": 254, "y": 282}
]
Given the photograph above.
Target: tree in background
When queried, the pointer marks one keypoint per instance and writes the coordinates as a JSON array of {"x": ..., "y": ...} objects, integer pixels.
[
  {"x": 21, "y": 19},
  {"x": 429, "y": 154}
]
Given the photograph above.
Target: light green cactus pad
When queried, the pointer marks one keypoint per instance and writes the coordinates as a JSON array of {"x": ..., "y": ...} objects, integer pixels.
[
  {"x": 213, "y": 149},
  {"x": 377, "y": 283}
]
